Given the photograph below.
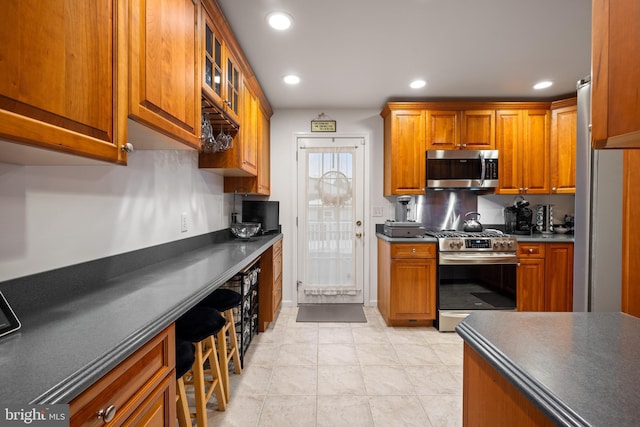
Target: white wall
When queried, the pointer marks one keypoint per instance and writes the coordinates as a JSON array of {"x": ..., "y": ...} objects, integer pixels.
[
  {"x": 286, "y": 125},
  {"x": 54, "y": 216}
]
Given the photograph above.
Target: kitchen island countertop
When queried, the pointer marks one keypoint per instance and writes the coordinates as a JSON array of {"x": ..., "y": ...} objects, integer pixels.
[
  {"x": 579, "y": 369},
  {"x": 78, "y": 337}
]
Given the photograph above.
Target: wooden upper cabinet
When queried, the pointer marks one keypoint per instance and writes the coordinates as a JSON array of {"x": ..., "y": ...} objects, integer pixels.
[
  {"x": 221, "y": 80},
  {"x": 249, "y": 131},
  {"x": 562, "y": 153},
  {"x": 460, "y": 130},
  {"x": 164, "y": 67},
  {"x": 615, "y": 56},
  {"x": 253, "y": 150},
  {"x": 509, "y": 140},
  {"x": 535, "y": 167},
  {"x": 522, "y": 138},
  {"x": 478, "y": 130},
  {"x": 443, "y": 130},
  {"x": 242, "y": 158},
  {"x": 264, "y": 154},
  {"x": 235, "y": 105},
  {"x": 404, "y": 151},
  {"x": 60, "y": 87}
]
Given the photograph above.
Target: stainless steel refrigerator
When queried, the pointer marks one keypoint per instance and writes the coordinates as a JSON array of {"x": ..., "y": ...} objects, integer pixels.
[{"x": 598, "y": 218}]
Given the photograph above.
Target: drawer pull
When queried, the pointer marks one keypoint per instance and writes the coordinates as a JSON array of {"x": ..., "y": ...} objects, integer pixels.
[
  {"x": 108, "y": 414},
  {"x": 530, "y": 250},
  {"x": 413, "y": 250}
]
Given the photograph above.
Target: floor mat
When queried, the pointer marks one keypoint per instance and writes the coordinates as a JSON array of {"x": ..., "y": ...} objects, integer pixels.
[{"x": 337, "y": 313}]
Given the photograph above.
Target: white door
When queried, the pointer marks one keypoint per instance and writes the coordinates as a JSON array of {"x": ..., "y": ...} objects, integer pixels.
[{"x": 330, "y": 220}]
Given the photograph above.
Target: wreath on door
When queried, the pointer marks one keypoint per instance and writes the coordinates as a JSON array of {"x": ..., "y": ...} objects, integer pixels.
[{"x": 334, "y": 188}]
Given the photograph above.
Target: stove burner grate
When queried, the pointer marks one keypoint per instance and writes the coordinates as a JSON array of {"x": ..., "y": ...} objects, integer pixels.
[{"x": 443, "y": 234}]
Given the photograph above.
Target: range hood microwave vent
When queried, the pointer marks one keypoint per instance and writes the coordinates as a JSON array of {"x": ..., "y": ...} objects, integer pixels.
[{"x": 462, "y": 169}]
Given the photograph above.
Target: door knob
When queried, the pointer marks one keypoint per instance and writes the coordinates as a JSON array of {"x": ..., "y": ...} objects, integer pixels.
[{"x": 358, "y": 235}]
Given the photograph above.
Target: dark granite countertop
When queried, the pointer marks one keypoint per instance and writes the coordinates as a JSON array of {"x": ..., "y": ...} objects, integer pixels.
[
  {"x": 66, "y": 345},
  {"x": 421, "y": 239},
  {"x": 579, "y": 369},
  {"x": 534, "y": 238},
  {"x": 546, "y": 238}
]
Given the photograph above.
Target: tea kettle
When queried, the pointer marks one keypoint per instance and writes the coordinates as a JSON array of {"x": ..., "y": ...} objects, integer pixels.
[{"x": 472, "y": 225}]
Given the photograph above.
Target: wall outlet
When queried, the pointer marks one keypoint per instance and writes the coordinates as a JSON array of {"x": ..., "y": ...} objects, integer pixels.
[
  {"x": 377, "y": 211},
  {"x": 183, "y": 222}
]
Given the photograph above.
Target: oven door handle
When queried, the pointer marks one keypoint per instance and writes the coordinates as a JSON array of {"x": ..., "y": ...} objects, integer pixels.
[{"x": 477, "y": 258}]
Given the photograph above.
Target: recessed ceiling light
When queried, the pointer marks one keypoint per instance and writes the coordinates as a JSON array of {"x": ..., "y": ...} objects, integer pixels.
[
  {"x": 417, "y": 84},
  {"x": 279, "y": 20},
  {"x": 542, "y": 85},
  {"x": 291, "y": 79}
]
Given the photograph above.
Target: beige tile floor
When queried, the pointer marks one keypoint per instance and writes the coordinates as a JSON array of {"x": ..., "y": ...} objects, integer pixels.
[{"x": 346, "y": 374}]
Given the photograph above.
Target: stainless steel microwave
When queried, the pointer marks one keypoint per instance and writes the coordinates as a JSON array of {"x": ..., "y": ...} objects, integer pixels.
[{"x": 469, "y": 169}]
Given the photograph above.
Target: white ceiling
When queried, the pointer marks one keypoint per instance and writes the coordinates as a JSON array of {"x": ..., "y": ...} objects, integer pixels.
[{"x": 363, "y": 53}]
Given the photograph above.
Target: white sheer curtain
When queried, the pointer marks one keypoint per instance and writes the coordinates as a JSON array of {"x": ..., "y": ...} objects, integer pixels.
[{"x": 330, "y": 215}]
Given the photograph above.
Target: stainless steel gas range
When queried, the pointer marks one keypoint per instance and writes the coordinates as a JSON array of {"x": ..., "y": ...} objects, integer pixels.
[{"x": 476, "y": 271}]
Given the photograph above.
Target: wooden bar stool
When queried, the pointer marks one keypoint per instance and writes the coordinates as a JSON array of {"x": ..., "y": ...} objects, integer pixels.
[
  {"x": 225, "y": 300},
  {"x": 200, "y": 325},
  {"x": 185, "y": 356}
]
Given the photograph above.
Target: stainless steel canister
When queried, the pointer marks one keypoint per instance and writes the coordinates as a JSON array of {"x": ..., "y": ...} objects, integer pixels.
[{"x": 544, "y": 218}]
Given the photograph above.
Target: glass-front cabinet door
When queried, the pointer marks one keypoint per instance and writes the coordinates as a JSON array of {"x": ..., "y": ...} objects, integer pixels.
[
  {"x": 212, "y": 63},
  {"x": 232, "y": 94},
  {"x": 221, "y": 75}
]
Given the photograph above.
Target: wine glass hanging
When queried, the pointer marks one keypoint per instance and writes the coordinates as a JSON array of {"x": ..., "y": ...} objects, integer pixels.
[{"x": 214, "y": 143}]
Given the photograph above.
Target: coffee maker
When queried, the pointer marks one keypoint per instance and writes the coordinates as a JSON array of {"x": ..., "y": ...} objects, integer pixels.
[
  {"x": 402, "y": 208},
  {"x": 518, "y": 219},
  {"x": 403, "y": 226}
]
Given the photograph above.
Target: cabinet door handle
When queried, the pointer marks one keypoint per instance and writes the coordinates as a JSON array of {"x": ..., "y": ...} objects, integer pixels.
[{"x": 108, "y": 414}]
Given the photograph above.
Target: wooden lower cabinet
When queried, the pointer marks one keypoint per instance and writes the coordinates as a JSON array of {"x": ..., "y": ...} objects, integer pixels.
[
  {"x": 545, "y": 277},
  {"x": 488, "y": 399},
  {"x": 558, "y": 283},
  {"x": 407, "y": 283},
  {"x": 141, "y": 389},
  {"x": 270, "y": 285},
  {"x": 530, "y": 292}
]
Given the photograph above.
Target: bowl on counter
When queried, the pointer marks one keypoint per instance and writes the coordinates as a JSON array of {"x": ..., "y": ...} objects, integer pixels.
[
  {"x": 559, "y": 229},
  {"x": 245, "y": 230}
]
